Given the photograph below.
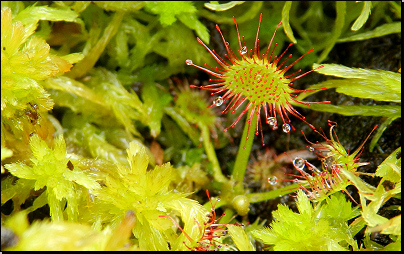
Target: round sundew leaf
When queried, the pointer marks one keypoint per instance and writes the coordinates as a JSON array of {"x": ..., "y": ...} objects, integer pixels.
[{"x": 256, "y": 81}]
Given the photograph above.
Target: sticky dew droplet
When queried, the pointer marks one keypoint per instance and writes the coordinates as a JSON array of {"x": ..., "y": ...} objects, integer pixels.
[
  {"x": 286, "y": 128},
  {"x": 311, "y": 149},
  {"x": 272, "y": 180},
  {"x": 271, "y": 121},
  {"x": 218, "y": 101},
  {"x": 299, "y": 163},
  {"x": 243, "y": 50},
  {"x": 188, "y": 62}
]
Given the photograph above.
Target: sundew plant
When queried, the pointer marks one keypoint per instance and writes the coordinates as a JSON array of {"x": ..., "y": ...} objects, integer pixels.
[{"x": 131, "y": 125}]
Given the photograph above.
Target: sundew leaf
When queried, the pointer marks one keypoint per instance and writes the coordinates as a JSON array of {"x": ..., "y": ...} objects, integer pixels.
[
  {"x": 390, "y": 168},
  {"x": 367, "y": 6},
  {"x": 379, "y": 31}
]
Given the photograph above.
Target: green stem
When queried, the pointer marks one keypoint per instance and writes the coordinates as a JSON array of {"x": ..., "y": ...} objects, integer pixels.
[
  {"x": 244, "y": 154},
  {"x": 259, "y": 197},
  {"x": 210, "y": 152}
]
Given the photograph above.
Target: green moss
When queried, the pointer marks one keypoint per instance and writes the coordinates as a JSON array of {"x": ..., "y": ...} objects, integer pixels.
[
  {"x": 99, "y": 146},
  {"x": 311, "y": 228}
]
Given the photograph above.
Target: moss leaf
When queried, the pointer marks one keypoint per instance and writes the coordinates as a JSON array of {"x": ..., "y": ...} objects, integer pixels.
[
  {"x": 240, "y": 238},
  {"x": 390, "y": 168}
]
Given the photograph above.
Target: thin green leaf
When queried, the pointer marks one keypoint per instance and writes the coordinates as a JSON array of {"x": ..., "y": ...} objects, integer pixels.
[
  {"x": 379, "y": 31},
  {"x": 356, "y": 110},
  {"x": 362, "y": 88},
  {"x": 120, "y": 5},
  {"x": 222, "y": 7},
  {"x": 363, "y": 188},
  {"x": 191, "y": 20},
  {"x": 367, "y": 6},
  {"x": 240, "y": 238},
  {"x": 339, "y": 24},
  {"x": 390, "y": 168},
  {"x": 380, "y": 131},
  {"x": 285, "y": 21},
  {"x": 154, "y": 103}
]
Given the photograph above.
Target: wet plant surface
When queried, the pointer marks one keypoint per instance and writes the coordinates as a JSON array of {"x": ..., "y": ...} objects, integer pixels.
[{"x": 107, "y": 134}]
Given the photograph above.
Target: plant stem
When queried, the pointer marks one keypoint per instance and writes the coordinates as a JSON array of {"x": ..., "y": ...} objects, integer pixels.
[
  {"x": 210, "y": 152},
  {"x": 244, "y": 154},
  {"x": 259, "y": 197}
]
